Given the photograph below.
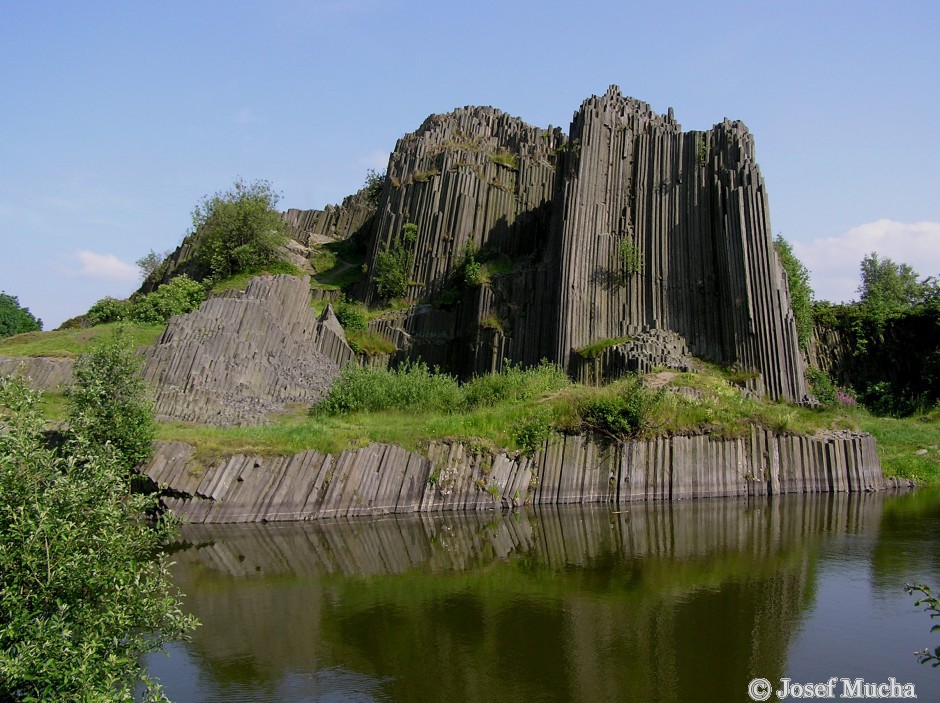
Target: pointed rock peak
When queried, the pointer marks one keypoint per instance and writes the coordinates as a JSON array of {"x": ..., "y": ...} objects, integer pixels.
[{"x": 613, "y": 91}]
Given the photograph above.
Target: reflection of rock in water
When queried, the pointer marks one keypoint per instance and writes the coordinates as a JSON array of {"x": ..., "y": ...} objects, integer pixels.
[{"x": 664, "y": 602}]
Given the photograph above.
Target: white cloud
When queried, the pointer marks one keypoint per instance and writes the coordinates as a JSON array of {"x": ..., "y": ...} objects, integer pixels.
[
  {"x": 833, "y": 262},
  {"x": 105, "y": 266}
]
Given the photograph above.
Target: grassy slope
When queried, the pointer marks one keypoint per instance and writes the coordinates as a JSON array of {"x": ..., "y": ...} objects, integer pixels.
[
  {"x": 720, "y": 410},
  {"x": 73, "y": 342}
]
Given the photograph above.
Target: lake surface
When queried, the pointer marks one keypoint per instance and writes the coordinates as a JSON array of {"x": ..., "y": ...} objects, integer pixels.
[{"x": 683, "y": 602}]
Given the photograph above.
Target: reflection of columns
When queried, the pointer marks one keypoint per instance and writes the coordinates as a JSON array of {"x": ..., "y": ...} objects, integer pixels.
[{"x": 687, "y": 601}]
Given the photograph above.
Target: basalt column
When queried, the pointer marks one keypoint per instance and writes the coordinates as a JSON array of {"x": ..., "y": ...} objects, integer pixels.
[{"x": 656, "y": 228}]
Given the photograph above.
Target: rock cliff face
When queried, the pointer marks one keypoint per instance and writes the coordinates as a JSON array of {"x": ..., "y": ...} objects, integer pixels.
[
  {"x": 623, "y": 229},
  {"x": 383, "y": 479},
  {"x": 241, "y": 356},
  {"x": 626, "y": 225}
]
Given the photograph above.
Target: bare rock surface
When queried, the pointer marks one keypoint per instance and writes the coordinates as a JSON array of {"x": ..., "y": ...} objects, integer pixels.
[
  {"x": 239, "y": 357},
  {"x": 42, "y": 373},
  {"x": 452, "y": 476}
]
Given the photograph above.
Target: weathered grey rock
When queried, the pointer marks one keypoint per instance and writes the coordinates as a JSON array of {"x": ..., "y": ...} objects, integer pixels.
[
  {"x": 42, "y": 373},
  {"x": 451, "y": 476},
  {"x": 331, "y": 339},
  {"x": 241, "y": 356}
]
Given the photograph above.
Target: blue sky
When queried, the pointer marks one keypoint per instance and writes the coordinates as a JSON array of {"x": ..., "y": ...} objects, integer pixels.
[{"x": 118, "y": 117}]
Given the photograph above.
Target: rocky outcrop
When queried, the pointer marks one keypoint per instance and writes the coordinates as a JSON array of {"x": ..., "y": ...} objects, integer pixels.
[
  {"x": 659, "y": 228},
  {"x": 240, "y": 356},
  {"x": 43, "y": 373},
  {"x": 628, "y": 224},
  {"x": 383, "y": 479}
]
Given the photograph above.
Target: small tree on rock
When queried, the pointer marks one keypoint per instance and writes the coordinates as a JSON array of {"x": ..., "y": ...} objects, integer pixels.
[{"x": 238, "y": 230}]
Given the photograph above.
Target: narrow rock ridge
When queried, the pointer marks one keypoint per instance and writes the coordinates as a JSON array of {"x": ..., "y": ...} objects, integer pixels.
[
  {"x": 332, "y": 223},
  {"x": 43, "y": 373},
  {"x": 452, "y": 476},
  {"x": 241, "y": 356}
]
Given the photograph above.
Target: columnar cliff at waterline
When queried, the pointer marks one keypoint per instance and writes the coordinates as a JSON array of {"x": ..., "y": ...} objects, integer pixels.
[{"x": 384, "y": 479}]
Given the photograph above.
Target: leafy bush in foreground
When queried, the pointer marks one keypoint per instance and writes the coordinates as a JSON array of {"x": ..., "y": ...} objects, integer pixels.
[{"x": 82, "y": 598}]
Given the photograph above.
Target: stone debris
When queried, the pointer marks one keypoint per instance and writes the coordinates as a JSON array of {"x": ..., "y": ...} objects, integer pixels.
[
  {"x": 241, "y": 356},
  {"x": 451, "y": 476}
]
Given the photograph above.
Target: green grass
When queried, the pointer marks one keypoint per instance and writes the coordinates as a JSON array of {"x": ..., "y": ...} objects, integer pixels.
[
  {"x": 338, "y": 265},
  {"x": 899, "y": 440},
  {"x": 413, "y": 405},
  {"x": 504, "y": 159},
  {"x": 241, "y": 280},
  {"x": 368, "y": 342},
  {"x": 76, "y": 341},
  {"x": 595, "y": 349}
]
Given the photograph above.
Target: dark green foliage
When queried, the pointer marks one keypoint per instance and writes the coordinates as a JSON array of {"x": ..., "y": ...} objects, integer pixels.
[
  {"x": 82, "y": 597},
  {"x": 533, "y": 431},
  {"x": 352, "y": 316},
  {"x": 893, "y": 334},
  {"x": 821, "y": 386},
  {"x": 622, "y": 414},
  {"x": 181, "y": 295},
  {"x": 375, "y": 182},
  {"x": 407, "y": 387},
  {"x": 15, "y": 319},
  {"x": 238, "y": 230},
  {"x": 392, "y": 271},
  {"x": 888, "y": 289},
  {"x": 107, "y": 310},
  {"x": 801, "y": 295},
  {"x": 108, "y": 401}
]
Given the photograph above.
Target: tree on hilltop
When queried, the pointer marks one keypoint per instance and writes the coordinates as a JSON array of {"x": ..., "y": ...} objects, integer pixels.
[
  {"x": 238, "y": 230},
  {"x": 15, "y": 319}
]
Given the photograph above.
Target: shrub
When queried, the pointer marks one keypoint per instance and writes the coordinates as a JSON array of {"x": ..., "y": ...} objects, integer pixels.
[
  {"x": 375, "y": 182},
  {"x": 531, "y": 433},
  {"x": 15, "y": 319},
  {"x": 410, "y": 386},
  {"x": 821, "y": 386},
  {"x": 392, "y": 272},
  {"x": 801, "y": 295},
  {"x": 108, "y": 401},
  {"x": 351, "y": 316},
  {"x": 630, "y": 260},
  {"x": 620, "y": 414},
  {"x": 513, "y": 383},
  {"x": 107, "y": 310},
  {"x": 238, "y": 229},
  {"x": 84, "y": 599},
  {"x": 181, "y": 295}
]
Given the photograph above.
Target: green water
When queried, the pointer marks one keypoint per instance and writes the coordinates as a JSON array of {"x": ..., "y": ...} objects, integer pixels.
[{"x": 683, "y": 602}]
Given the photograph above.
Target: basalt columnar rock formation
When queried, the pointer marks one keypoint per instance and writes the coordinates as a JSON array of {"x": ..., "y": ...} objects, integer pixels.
[
  {"x": 384, "y": 479},
  {"x": 243, "y": 355},
  {"x": 44, "y": 373},
  {"x": 623, "y": 226}
]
